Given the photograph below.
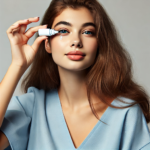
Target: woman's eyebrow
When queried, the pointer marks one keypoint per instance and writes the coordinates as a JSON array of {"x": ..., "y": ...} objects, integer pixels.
[{"x": 69, "y": 24}]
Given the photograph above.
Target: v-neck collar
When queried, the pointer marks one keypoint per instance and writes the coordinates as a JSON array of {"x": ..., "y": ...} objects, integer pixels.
[{"x": 67, "y": 130}]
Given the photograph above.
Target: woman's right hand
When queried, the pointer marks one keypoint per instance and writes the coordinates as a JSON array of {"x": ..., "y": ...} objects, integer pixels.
[{"x": 22, "y": 53}]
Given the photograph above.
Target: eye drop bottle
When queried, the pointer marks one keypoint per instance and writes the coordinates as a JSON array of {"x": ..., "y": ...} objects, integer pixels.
[{"x": 47, "y": 32}]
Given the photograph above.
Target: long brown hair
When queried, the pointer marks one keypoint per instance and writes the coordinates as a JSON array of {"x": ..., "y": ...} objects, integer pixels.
[{"x": 110, "y": 75}]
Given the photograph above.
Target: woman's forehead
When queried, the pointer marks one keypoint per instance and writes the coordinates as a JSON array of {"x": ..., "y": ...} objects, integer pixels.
[{"x": 74, "y": 16}]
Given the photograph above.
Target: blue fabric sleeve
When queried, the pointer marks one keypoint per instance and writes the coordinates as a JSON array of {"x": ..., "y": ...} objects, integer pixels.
[
  {"x": 135, "y": 134},
  {"x": 146, "y": 147},
  {"x": 16, "y": 123}
]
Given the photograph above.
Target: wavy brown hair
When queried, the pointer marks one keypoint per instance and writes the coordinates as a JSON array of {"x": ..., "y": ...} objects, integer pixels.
[{"x": 111, "y": 73}]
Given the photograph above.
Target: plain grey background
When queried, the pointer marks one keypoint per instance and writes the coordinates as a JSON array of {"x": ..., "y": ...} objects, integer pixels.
[{"x": 131, "y": 18}]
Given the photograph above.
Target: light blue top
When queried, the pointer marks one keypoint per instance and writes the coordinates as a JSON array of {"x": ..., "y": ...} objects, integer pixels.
[{"x": 35, "y": 121}]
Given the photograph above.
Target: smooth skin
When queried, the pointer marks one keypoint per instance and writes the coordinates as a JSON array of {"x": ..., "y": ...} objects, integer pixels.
[
  {"x": 72, "y": 92},
  {"x": 22, "y": 56},
  {"x": 72, "y": 73}
]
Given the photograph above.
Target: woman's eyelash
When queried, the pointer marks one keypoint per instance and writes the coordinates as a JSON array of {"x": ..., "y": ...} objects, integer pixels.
[
  {"x": 62, "y": 30},
  {"x": 92, "y": 33}
]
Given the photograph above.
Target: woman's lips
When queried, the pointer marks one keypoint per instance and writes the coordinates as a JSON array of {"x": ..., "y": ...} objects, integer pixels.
[
  {"x": 75, "y": 57},
  {"x": 75, "y": 53}
]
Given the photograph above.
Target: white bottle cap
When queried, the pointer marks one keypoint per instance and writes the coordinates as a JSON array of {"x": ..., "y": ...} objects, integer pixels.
[{"x": 47, "y": 32}]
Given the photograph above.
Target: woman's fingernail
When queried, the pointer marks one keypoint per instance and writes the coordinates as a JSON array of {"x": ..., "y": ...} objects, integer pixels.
[
  {"x": 45, "y": 25},
  {"x": 36, "y": 17}
]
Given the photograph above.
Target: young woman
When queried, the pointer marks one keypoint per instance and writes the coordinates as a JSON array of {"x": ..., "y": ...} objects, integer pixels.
[{"x": 79, "y": 92}]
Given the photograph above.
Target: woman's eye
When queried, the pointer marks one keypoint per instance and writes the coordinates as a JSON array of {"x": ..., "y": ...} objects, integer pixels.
[
  {"x": 89, "y": 32},
  {"x": 62, "y": 31},
  {"x": 86, "y": 32}
]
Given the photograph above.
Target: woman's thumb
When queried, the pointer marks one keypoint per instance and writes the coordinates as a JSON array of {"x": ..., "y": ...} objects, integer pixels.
[{"x": 37, "y": 42}]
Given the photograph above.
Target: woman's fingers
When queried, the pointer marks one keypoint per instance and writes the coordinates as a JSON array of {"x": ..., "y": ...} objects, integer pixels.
[
  {"x": 37, "y": 42},
  {"x": 21, "y": 22},
  {"x": 11, "y": 28},
  {"x": 16, "y": 26},
  {"x": 24, "y": 26},
  {"x": 27, "y": 21},
  {"x": 33, "y": 30},
  {"x": 22, "y": 36}
]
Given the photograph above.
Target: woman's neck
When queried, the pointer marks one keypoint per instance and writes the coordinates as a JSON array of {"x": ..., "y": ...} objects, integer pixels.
[{"x": 72, "y": 91}]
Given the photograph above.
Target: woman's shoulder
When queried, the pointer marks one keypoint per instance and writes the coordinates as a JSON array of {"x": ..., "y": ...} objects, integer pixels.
[
  {"x": 131, "y": 112},
  {"x": 134, "y": 125},
  {"x": 26, "y": 101},
  {"x": 32, "y": 93},
  {"x": 34, "y": 90},
  {"x": 125, "y": 102},
  {"x": 37, "y": 91}
]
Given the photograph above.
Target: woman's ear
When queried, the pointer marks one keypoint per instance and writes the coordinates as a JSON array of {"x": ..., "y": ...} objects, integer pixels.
[{"x": 47, "y": 46}]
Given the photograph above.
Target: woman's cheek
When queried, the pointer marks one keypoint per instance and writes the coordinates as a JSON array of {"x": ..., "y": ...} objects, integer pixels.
[
  {"x": 58, "y": 51},
  {"x": 59, "y": 41},
  {"x": 56, "y": 57},
  {"x": 91, "y": 47}
]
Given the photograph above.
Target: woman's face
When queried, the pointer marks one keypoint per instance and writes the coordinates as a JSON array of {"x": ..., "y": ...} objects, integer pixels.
[{"x": 76, "y": 33}]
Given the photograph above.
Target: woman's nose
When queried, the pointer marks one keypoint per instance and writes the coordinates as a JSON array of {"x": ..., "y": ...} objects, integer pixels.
[{"x": 76, "y": 42}]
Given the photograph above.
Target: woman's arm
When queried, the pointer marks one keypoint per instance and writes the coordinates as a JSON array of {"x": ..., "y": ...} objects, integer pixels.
[
  {"x": 7, "y": 87},
  {"x": 4, "y": 143},
  {"x": 22, "y": 56}
]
